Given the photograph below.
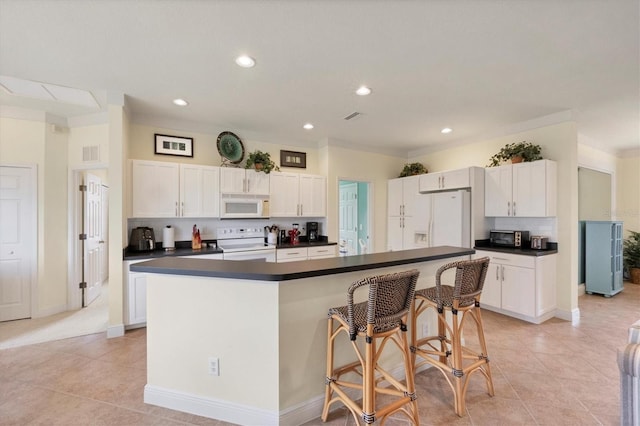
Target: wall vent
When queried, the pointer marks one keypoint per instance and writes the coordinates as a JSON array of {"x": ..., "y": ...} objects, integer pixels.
[
  {"x": 353, "y": 115},
  {"x": 90, "y": 153}
]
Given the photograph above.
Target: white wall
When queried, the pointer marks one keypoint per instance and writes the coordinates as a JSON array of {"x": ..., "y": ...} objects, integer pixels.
[
  {"x": 559, "y": 143},
  {"x": 348, "y": 164},
  {"x": 205, "y": 149},
  {"x": 627, "y": 207}
]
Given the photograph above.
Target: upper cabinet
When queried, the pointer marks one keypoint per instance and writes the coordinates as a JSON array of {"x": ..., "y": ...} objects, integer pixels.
[
  {"x": 162, "y": 189},
  {"x": 402, "y": 206},
  {"x": 243, "y": 181},
  {"x": 444, "y": 181},
  {"x": 521, "y": 190},
  {"x": 297, "y": 195}
]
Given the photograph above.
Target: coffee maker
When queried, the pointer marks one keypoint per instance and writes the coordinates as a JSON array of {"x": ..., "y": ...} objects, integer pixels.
[{"x": 312, "y": 232}]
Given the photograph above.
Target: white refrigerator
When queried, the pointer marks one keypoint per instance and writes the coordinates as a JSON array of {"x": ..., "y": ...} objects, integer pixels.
[{"x": 444, "y": 219}]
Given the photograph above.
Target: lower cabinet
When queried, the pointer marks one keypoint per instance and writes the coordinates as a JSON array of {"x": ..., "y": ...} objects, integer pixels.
[
  {"x": 520, "y": 286},
  {"x": 135, "y": 299},
  {"x": 305, "y": 253}
]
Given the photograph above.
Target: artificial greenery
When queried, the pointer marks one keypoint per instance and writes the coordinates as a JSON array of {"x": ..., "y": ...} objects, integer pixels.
[
  {"x": 526, "y": 150},
  {"x": 261, "y": 162},
  {"x": 413, "y": 169},
  {"x": 631, "y": 250}
]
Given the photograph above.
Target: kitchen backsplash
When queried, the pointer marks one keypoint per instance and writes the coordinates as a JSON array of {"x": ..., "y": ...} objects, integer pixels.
[
  {"x": 544, "y": 226},
  {"x": 207, "y": 226}
]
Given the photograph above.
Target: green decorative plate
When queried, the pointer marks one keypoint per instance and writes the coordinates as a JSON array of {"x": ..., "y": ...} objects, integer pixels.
[{"x": 230, "y": 147}]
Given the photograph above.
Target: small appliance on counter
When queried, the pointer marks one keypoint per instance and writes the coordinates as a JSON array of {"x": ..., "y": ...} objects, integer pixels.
[
  {"x": 513, "y": 239},
  {"x": 294, "y": 234},
  {"x": 312, "y": 232},
  {"x": 142, "y": 239},
  {"x": 538, "y": 242}
]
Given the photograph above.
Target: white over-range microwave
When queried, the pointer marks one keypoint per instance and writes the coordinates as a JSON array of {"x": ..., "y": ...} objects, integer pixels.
[{"x": 243, "y": 208}]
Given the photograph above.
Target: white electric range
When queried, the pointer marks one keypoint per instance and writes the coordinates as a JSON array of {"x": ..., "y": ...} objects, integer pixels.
[{"x": 245, "y": 244}]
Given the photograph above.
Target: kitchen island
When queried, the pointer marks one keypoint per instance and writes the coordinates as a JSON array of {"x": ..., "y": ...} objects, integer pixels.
[{"x": 263, "y": 324}]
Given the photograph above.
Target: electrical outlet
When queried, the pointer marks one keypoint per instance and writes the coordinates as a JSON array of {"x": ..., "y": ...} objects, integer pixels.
[
  {"x": 214, "y": 366},
  {"x": 425, "y": 329}
]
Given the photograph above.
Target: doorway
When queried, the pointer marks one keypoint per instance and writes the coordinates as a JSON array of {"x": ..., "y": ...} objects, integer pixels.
[
  {"x": 354, "y": 216},
  {"x": 594, "y": 203}
]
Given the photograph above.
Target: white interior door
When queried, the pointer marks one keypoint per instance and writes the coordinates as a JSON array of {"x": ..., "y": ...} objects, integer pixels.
[
  {"x": 349, "y": 216},
  {"x": 17, "y": 239},
  {"x": 93, "y": 227}
]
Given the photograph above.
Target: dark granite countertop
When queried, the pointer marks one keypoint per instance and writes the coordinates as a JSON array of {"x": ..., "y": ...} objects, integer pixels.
[
  {"x": 484, "y": 245},
  {"x": 261, "y": 271},
  {"x": 160, "y": 252}
]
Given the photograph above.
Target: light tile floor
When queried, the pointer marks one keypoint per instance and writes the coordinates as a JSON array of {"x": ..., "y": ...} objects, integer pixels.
[{"x": 548, "y": 374}]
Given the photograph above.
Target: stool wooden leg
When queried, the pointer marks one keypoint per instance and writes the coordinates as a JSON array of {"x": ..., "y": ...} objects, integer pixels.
[
  {"x": 409, "y": 372},
  {"x": 368, "y": 405},
  {"x": 457, "y": 366},
  {"x": 483, "y": 347},
  {"x": 327, "y": 392}
]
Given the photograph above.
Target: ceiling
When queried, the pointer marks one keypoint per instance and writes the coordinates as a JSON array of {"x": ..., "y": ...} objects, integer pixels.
[{"x": 475, "y": 66}]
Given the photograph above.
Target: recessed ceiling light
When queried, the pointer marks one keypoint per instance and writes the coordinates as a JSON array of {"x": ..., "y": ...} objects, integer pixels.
[
  {"x": 363, "y": 91},
  {"x": 446, "y": 130},
  {"x": 180, "y": 102},
  {"x": 308, "y": 126},
  {"x": 245, "y": 61}
]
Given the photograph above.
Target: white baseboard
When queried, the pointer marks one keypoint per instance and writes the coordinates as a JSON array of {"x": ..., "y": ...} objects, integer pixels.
[
  {"x": 209, "y": 407},
  {"x": 245, "y": 415},
  {"x": 115, "y": 331},
  {"x": 573, "y": 315}
]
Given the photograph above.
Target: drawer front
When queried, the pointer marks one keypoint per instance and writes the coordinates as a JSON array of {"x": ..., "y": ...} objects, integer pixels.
[
  {"x": 284, "y": 255},
  {"x": 521, "y": 261},
  {"x": 324, "y": 251}
]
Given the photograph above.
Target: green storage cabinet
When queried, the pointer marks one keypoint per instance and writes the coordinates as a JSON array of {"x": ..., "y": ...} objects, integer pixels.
[{"x": 603, "y": 257}]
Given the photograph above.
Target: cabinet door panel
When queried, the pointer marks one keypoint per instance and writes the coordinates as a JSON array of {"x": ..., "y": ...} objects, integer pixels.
[
  {"x": 456, "y": 179},
  {"x": 257, "y": 182},
  {"x": 312, "y": 196},
  {"x": 492, "y": 290},
  {"x": 211, "y": 192},
  {"x": 394, "y": 197},
  {"x": 394, "y": 233},
  {"x": 497, "y": 191},
  {"x": 529, "y": 189},
  {"x": 518, "y": 290},
  {"x": 137, "y": 298},
  {"x": 283, "y": 199},
  {"x": 409, "y": 194},
  {"x": 232, "y": 180},
  {"x": 155, "y": 189}
]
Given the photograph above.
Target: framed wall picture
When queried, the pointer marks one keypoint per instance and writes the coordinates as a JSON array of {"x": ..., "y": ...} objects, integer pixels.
[
  {"x": 174, "y": 145},
  {"x": 293, "y": 159}
]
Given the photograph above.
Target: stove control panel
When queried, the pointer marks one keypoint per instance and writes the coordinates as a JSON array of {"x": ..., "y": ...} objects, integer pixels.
[{"x": 228, "y": 233}]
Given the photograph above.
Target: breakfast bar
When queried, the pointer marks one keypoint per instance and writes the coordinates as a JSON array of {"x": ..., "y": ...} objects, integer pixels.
[{"x": 245, "y": 341}]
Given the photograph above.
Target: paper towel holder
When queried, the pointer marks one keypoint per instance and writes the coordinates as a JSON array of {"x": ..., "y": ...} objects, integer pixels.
[{"x": 168, "y": 238}]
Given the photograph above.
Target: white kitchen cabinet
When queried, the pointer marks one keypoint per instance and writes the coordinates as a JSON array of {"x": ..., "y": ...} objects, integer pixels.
[
  {"x": 297, "y": 195},
  {"x": 161, "y": 189},
  {"x": 155, "y": 189},
  {"x": 135, "y": 298},
  {"x": 291, "y": 254},
  {"x": 305, "y": 253},
  {"x": 402, "y": 202},
  {"x": 445, "y": 181},
  {"x": 199, "y": 191},
  {"x": 520, "y": 286},
  {"x": 521, "y": 190},
  {"x": 321, "y": 252},
  {"x": 234, "y": 180}
]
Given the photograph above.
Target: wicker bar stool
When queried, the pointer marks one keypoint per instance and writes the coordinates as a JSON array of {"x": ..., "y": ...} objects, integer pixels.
[
  {"x": 445, "y": 351},
  {"x": 380, "y": 320}
]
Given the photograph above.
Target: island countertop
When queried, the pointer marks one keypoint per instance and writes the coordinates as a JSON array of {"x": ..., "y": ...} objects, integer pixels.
[{"x": 261, "y": 271}]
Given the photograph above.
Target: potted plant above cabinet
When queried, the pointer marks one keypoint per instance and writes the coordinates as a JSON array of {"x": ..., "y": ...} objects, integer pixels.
[
  {"x": 413, "y": 169},
  {"x": 261, "y": 162},
  {"x": 516, "y": 153},
  {"x": 631, "y": 256}
]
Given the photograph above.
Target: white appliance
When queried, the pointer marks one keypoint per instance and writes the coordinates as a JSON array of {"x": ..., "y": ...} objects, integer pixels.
[
  {"x": 243, "y": 208},
  {"x": 245, "y": 244},
  {"x": 447, "y": 221}
]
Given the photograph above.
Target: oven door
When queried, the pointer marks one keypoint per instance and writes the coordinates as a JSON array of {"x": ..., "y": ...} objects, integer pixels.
[{"x": 255, "y": 255}]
